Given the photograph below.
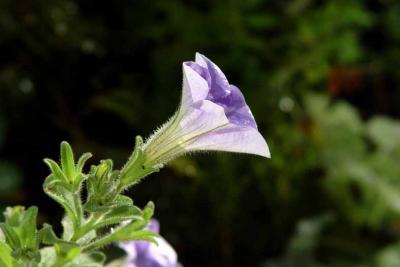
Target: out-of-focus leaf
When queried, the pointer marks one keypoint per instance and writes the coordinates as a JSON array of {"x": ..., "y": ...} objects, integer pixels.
[
  {"x": 384, "y": 132},
  {"x": 301, "y": 249},
  {"x": 388, "y": 257}
]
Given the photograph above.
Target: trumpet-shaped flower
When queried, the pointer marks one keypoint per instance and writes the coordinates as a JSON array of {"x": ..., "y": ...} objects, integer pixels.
[
  {"x": 213, "y": 115},
  {"x": 147, "y": 254}
]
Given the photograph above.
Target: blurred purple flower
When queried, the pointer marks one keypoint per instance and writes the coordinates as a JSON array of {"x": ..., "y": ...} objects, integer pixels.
[
  {"x": 213, "y": 115},
  {"x": 147, "y": 254}
]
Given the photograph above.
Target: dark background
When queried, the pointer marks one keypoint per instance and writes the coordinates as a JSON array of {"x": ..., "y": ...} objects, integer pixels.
[{"x": 322, "y": 79}]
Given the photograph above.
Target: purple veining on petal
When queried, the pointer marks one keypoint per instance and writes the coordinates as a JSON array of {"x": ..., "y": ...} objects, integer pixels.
[{"x": 224, "y": 94}]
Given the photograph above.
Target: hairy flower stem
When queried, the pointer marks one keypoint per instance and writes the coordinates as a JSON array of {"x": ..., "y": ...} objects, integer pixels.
[
  {"x": 101, "y": 242},
  {"x": 78, "y": 208},
  {"x": 87, "y": 226}
]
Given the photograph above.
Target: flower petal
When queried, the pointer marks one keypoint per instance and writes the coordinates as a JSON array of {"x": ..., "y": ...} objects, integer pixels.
[
  {"x": 219, "y": 84},
  {"x": 232, "y": 138},
  {"x": 130, "y": 249},
  {"x": 162, "y": 255},
  {"x": 236, "y": 109},
  {"x": 195, "y": 87},
  {"x": 201, "y": 117},
  {"x": 200, "y": 59},
  {"x": 192, "y": 121}
]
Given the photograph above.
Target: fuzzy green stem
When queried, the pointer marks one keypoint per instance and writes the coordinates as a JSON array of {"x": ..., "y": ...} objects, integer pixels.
[
  {"x": 101, "y": 242},
  {"x": 88, "y": 226}
]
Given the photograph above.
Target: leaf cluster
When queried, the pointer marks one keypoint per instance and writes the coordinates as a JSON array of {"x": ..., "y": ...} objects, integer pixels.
[{"x": 87, "y": 222}]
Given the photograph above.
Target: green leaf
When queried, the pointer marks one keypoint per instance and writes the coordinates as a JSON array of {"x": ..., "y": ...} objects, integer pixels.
[
  {"x": 120, "y": 200},
  {"x": 385, "y": 132},
  {"x": 148, "y": 211},
  {"x": 134, "y": 231},
  {"x": 68, "y": 228},
  {"x": 67, "y": 161},
  {"x": 81, "y": 162},
  {"x": 56, "y": 170},
  {"x": 47, "y": 235},
  {"x": 147, "y": 235},
  {"x": 12, "y": 237},
  {"x": 88, "y": 237},
  {"x": 93, "y": 259},
  {"x": 56, "y": 190},
  {"x": 119, "y": 214},
  {"x": 67, "y": 252},
  {"x": 48, "y": 257},
  {"x": 14, "y": 215},
  {"x": 20, "y": 232},
  {"x": 6, "y": 259},
  {"x": 388, "y": 257},
  {"x": 28, "y": 228}
]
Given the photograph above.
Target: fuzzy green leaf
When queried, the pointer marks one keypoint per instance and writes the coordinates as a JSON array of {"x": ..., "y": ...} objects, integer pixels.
[
  {"x": 47, "y": 235},
  {"x": 12, "y": 237},
  {"x": 68, "y": 228},
  {"x": 67, "y": 161},
  {"x": 28, "y": 228},
  {"x": 119, "y": 214},
  {"x": 6, "y": 259},
  {"x": 148, "y": 211},
  {"x": 56, "y": 170},
  {"x": 67, "y": 252},
  {"x": 120, "y": 200},
  {"x": 81, "y": 162}
]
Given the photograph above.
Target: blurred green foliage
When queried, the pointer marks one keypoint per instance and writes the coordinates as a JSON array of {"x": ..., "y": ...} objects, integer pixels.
[{"x": 98, "y": 73}]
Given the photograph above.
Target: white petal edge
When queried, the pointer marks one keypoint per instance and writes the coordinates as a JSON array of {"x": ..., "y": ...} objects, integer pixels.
[
  {"x": 200, "y": 60},
  {"x": 232, "y": 138}
]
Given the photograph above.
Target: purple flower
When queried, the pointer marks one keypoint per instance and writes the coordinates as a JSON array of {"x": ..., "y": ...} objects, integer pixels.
[
  {"x": 147, "y": 254},
  {"x": 213, "y": 115}
]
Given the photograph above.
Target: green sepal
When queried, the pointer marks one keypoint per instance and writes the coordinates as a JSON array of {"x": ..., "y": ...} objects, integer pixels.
[{"x": 134, "y": 169}]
